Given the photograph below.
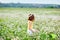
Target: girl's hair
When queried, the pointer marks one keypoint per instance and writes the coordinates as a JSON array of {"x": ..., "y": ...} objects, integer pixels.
[{"x": 31, "y": 17}]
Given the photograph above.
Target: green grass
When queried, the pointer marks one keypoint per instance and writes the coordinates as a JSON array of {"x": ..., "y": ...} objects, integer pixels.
[{"x": 13, "y": 23}]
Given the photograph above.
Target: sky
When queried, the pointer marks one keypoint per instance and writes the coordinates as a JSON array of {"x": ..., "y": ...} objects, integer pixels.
[{"x": 32, "y": 1}]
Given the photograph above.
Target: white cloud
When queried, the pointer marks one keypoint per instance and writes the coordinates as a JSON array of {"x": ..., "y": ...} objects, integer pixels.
[{"x": 32, "y": 1}]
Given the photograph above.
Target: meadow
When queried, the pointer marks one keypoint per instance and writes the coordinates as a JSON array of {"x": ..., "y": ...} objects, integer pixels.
[{"x": 13, "y": 23}]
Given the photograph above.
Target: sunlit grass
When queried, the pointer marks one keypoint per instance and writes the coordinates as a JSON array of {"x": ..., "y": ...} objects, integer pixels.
[{"x": 13, "y": 23}]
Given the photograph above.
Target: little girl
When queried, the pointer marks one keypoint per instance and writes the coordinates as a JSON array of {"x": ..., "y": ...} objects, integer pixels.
[{"x": 31, "y": 19}]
